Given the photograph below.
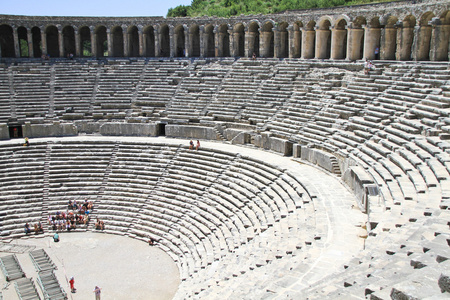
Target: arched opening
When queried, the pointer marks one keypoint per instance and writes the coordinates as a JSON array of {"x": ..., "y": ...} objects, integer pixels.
[
  {"x": 253, "y": 39},
  {"x": 85, "y": 42},
  {"x": 239, "y": 40},
  {"x": 194, "y": 38},
  {"x": 6, "y": 41},
  {"x": 309, "y": 41},
  {"x": 133, "y": 42},
  {"x": 224, "y": 41},
  {"x": 406, "y": 37},
  {"x": 389, "y": 42},
  {"x": 117, "y": 42},
  {"x": 422, "y": 51},
  {"x": 339, "y": 40},
  {"x": 164, "y": 38},
  {"x": 101, "y": 42},
  {"x": 179, "y": 41},
  {"x": 149, "y": 41},
  {"x": 209, "y": 41},
  {"x": 267, "y": 40},
  {"x": 37, "y": 41},
  {"x": 323, "y": 40},
  {"x": 69, "y": 41},
  {"x": 440, "y": 38},
  {"x": 296, "y": 47},
  {"x": 23, "y": 42},
  {"x": 51, "y": 33},
  {"x": 284, "y": 40},
  {"x": 356, "y": 39},
  {"x": 372, "y": 43}
]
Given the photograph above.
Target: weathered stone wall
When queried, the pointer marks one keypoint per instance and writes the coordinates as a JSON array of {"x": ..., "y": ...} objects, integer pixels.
[{"x": 49, "y": 130}]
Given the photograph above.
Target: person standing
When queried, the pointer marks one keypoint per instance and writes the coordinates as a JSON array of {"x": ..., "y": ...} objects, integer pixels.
[
  {"x": 72, "y": 285},
  {"x": 97, "y": 292}
]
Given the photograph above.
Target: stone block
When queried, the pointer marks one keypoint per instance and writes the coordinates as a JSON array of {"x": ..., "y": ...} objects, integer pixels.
[
  {"x": 4, "y": 131},
  {"x": 296, "y": 150},
  {"x": 281, "y": 146},
  {"x": 49, "y": 130},
  {"x": 193, "y": 132},
  {"x": 129, "y": 129}
]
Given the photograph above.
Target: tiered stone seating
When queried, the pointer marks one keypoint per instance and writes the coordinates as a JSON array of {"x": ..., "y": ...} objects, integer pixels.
[
  {"x": 116, "y": 86},
  {"x": 158, "y": 85},
  {"x": 22, "y": 186},
  {"x": 74, "y": 89},
  {"x": 76, "y": 172},
  {"x": 237, "y": 88},
  {"x": 31, "y": 87},
  {"x": 5, "y": 95}
]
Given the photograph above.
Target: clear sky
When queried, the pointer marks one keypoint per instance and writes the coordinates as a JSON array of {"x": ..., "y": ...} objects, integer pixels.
[{"x": 89, "y": 8}]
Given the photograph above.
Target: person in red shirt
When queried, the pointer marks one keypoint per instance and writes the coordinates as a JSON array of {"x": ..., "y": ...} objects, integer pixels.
[{"x": 72, "y": 285}]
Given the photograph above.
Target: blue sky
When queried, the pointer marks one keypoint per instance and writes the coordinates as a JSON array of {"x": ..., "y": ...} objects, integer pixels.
[{"x": 88, "y": 8}]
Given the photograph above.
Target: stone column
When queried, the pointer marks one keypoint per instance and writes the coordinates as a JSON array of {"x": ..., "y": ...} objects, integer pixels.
[
  {"x": 354, "y": 40},
  {"x": 321, "y": 43},
  {"x": 405, "y": 36},
  {"x": 172, "y": 41},
  {"x": 232, "y": 37},
  {"x": 78, "y": 49},
  {"x": 308, "y": 43},
  {"x": 110, "y": 42},
  {"x": 142, "y": 46},
  {"x": 93, "y": 41},
  {"x": 201, "y": 33},
  {"x": 30, "y": 43},
  {"x": 277, "y": 49},
  {"x": 263, "y": 36},
  {"x": 16, "y": 41},
  {"x": 157, "y": 43},
  {"x": 60, "y": 42},
  {"x": 337, "y": 44},
  {"x": 291, "y": 45},
  {"x": 248, "y": 43},
  {"x": 187, "y": 41},
  {"x": 126, "y": 42},
  {"x": 440, "y": 35},
  {"x": 371, "y": 41},
  {"x": 43, "y": 40},
  {"x": 216, "y": 42},
  {"x": 388, "y": 43}
]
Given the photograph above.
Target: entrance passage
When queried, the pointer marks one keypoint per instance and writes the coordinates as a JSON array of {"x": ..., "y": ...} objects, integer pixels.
[{"x": 15, "y": 131}]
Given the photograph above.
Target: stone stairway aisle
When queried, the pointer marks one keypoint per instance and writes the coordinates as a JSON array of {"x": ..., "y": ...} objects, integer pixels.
[
  {"x": 93, "y": 214},
  {"x": 12, "y": 102},
  {"x": 95, "y": 90},
  {"x": 136, "y": 110},
  {"x": 51, "y": 99},
  {"x": 45, "y": 192}
]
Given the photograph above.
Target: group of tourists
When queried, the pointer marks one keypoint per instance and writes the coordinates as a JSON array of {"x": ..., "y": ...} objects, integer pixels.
[{"x": 37, "y": 228}]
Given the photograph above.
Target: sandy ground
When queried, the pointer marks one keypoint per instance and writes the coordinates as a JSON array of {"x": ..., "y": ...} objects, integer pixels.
[{"x": 124, "y": 268}]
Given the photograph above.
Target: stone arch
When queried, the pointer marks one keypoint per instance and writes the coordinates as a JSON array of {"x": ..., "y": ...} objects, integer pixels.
[
  {"x": 267, "y": 42},
  {"x": 355, "y": 45},
  {"x": 239, "y": 40},
  {"x": 372, "y": 39},
  {"x": 441, "y": 37},
  {"x": 52, "y": 38},
  {"x": 339, "y": 40},
  {"x": 179, "y": 41},
  {"x": 164, "y": 40},
  {"x": 194, "y": 38},
  {"x": 6, "y": 41},
  {"x": 323, "y": 39},
  {"x": 309, "y": 40},
  {"x": 101, "y": 47},
  {"x": 133, "y": 41},
  {"x": 68, "y": 34},
  {"x": 389, "y": 39},
  {"x": 22, "y": 35},
  {"x": 224, "y": 41},
  {"x": 422, "y": 44},
  {"x": 36, "y": 39},
  {"x": 296, "y": 47},
  {"x": 283, "y": 40},
  {"x": 209, "y": 41},
  {"x": 405, "y": 36},
  {"x": 85, "y": 42},
  {"x": 117, "y": 42},
  {"x": 253, "y": 39},
  {"x": 149, "y": 41}
]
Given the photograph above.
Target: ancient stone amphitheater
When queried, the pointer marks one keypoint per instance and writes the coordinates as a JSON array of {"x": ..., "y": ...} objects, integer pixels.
[{"x": 314, "y": 179}]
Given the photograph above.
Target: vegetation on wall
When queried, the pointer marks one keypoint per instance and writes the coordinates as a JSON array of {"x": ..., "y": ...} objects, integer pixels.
[{"x": 227, "y": 8}]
